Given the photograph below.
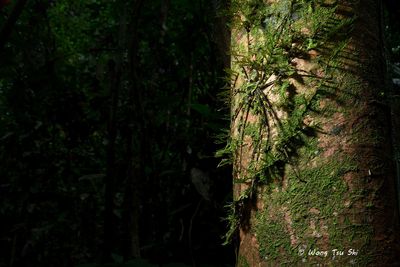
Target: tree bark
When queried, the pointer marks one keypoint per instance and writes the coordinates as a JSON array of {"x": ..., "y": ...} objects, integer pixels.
[
  {"x": 313, "y": 168},
  {"x": 110, "y": 178},
  {"x": 136, "y": 159}
]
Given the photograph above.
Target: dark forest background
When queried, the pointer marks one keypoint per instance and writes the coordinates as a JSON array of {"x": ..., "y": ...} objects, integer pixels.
[{"x": 110, "y": 116}]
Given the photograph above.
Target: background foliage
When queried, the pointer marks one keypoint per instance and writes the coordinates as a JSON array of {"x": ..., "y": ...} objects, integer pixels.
[{"x": 94, "y": 89}]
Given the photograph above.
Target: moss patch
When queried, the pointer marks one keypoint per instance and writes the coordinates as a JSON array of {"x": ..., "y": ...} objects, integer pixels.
[
  {"x": 294, "y": 79},
  {"x": 311, "y": 211}
]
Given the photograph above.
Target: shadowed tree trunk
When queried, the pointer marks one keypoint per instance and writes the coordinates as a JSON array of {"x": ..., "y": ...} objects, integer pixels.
[
  {"x": 110, "y": 178},
  {"x": 310, "y": 135},
  {"x": 136, "y": 159}
]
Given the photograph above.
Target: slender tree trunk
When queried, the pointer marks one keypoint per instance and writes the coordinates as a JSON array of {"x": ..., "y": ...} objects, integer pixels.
[
  {"x": 313, "y": 168},
  {"x": 135, "y": 150},
  {"x": 110, "y": 178},
  {"x": 117, "y": 75}
]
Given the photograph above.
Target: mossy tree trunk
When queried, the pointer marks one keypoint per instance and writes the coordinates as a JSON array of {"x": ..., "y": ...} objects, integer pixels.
[{"x": 310, "y": 135}]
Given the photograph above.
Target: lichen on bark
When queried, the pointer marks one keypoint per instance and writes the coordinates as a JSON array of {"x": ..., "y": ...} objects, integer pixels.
[{"x": 309, "y": 155}]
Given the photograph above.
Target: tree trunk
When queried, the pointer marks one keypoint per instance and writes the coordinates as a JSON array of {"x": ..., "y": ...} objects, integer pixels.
[
  {"x": 109, "y": 179},
  {"x": 136, "y": 159},
  {"x": 310, "y": 135}
]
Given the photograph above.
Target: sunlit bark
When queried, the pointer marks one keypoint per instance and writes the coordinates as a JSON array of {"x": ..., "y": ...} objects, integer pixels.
[{"x": 330, "y": 185}]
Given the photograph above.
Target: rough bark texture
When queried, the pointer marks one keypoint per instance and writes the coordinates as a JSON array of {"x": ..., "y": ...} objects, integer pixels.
[{"x": 335, "y": 190}]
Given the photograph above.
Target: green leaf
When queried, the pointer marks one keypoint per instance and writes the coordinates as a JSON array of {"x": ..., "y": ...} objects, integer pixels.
[
  {"x": 117, "y": 258},
  {"x": 204, "y": 110}
]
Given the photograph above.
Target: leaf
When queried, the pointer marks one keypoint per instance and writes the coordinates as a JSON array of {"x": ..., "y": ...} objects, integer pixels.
[
  {"x": 117, "y": 258},
  {"x": 204, "y": 110}
]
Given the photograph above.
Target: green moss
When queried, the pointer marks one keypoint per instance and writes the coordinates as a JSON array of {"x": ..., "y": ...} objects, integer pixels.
[
  {"x": 309, "y": 211},
  {"x": 312, "y": 197},
  {"x": 242, "y": 262},
  {"x": 274, "y": 237}
]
